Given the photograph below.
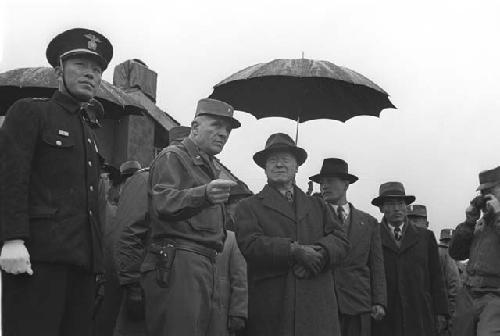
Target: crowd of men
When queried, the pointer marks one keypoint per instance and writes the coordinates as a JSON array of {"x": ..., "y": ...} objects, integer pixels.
[{"x": 189, "y": 253}]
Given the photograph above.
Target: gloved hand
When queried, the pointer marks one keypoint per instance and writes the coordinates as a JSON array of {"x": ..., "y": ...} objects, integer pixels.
[
  {"x": 15, "y": 258},
  {"x": 134, "y": 302},
  {"x": 301, "y": 272},
  {"x": 472, "y": 214},
  {"x": 307, "y": 256},
  {"x": 217, "y": 191},
  {"x": 235, "y": 323}
]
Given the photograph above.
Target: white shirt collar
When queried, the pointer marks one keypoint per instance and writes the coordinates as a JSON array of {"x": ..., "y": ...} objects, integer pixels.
[
  {"x": 346, "y": 207},
  {"x": 402, "y": 226}
]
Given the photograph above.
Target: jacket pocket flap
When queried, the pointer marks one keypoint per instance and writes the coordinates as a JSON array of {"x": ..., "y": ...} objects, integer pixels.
[
  {"x": 41, "y": 212},
  {"x": 56, "y": 140}
]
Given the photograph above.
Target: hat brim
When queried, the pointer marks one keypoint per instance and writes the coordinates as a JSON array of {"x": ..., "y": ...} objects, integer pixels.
[
  {"x": 487, "y": 185},
  {"x": 260, "y": 157},
  {"x": 234, "y": 122},
  {"x": 378, "y": 201},
  {"x": 345, "y": 176}
]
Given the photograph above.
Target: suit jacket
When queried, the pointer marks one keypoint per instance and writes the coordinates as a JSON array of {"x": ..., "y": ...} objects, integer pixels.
[
  {"x": 360, "y": 278},
  {"x": 415, "y": 287},
  {"x": 278, "y": 302}
]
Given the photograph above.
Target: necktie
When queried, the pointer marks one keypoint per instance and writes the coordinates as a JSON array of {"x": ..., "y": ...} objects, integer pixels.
[
  {"x": 340, "y": 214},
  {"x": 289, "y": 196},
  {"x": 397, "y": 233}
]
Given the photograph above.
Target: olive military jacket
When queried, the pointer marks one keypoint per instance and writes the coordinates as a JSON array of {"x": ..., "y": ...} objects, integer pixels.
[
  {"x": 177, "y": 201},
  {"x": 51, "y": 201}
]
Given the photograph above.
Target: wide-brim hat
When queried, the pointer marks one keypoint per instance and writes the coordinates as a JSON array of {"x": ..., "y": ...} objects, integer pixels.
[
  {"x": 392, "y": 190},
  {"x": 214, "y": 107},
  {"x": 280, "y": 142},
  {"x": 334, "y": 167},
  {"x": 489, "y": 178},
  {"x": 80, "y": 42}
]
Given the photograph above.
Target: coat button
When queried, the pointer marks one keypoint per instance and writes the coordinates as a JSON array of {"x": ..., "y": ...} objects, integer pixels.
[
  {"x": 90, "y": 163},
  {"x": 59, "y": 142},
  {"x": 91, "y": 188},
  {"x": 90, "y": 212},
  {"x": 90, "y": 141}
]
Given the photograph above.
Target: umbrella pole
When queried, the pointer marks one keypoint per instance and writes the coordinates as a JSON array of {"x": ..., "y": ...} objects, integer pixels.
[{"x": 297, "y": 131}]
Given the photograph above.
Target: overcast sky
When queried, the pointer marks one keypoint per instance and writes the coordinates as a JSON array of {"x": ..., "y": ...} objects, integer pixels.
[{"x": 438, "y": 60}]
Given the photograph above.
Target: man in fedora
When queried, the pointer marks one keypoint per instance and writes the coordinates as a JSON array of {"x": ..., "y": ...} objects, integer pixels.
[
  {"x": 416, "y": 297},
  {"x": 187, "y": 214},
  {"x": 478, "y": 239},
  {"x": 291, "y": 243},
  {"x": 450, "y": 273},
  {"x": 51, "y": 235},
  {"x": 417, "y": 215},
  {"x": 360, "y": 278}
]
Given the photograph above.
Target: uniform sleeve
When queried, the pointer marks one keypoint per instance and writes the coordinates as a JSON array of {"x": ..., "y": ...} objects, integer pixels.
[
  {"x": 21, "y": 131},
  {"x": 377, "y": 272},
  {"x": 173, "y": 195},
  {"x": 452, "y": 281},
  {"x": 132, "y": 217},
  {"x": 438, "y": 290},
  {"x": 461, "y": 241},
  {"x": 335, "y": 240},
  {"x": 238, "y": 302},
  {"x": 271, "y": 253}
]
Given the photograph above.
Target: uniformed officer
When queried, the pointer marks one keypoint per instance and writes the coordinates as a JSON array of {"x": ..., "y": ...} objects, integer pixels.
[
  {"x": 187, "y": 216},
  {"x": 51, "y": 233}
]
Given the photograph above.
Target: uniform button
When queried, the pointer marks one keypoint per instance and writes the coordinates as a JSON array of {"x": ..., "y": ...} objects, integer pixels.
[
  {"x": 90, "y": 141},
  {"x": 90, "y": 163},
  {"x": 90, "y": 212},
  {"x": 91, "y": 188},
  {"x": 59, "y": 142}
]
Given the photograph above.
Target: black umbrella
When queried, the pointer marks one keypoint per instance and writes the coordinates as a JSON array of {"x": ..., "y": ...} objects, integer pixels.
[
  {"x": 41, "y": 82},
  {"x": 302, "y": 89}
]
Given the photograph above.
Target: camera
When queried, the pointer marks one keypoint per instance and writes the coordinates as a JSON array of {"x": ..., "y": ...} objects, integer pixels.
[{"x": 479, "y": 202}]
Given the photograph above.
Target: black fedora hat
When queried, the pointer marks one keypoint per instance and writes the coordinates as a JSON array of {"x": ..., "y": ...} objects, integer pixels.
[
  {"x": 334, "y": 167},
  {"x": 280, "y": 142},
  {"x": 392, "y": 190}
]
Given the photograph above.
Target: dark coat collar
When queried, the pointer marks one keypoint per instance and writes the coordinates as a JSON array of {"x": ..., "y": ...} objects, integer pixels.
[
  {"x": 272, "y": 199},
  {"x": 66, "y": 101}
]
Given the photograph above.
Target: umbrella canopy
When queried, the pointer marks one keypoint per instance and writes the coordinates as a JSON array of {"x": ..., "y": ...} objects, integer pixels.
[
  {"x": 42, "y": 82},
  {"x": 302, "y": 89}
]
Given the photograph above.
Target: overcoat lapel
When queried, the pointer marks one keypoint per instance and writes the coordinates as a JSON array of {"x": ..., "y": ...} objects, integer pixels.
[
  {"x": 410, "y": 238},
  {"x": 386, "y": 237},
  {"x": 301, "y": 204},
  {"x": 355, "y": 229},
  {"x": 272, "y": 199}
]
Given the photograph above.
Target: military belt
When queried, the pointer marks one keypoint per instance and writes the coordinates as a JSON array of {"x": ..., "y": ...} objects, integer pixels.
[{"x": 185, "y": 245}]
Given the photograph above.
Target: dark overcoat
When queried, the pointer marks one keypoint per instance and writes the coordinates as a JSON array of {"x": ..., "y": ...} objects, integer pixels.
[
  {"x": 360, "y": 279},
  {"x": 278, "y": 302},
  {"x": 415, "y": 287},
  {"x": 51, "y": 201}
]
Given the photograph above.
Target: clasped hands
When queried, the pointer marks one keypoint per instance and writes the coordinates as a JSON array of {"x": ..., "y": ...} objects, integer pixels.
[
  {"x": 15, "y": 258},
  {"x": 309, "y": 260}
]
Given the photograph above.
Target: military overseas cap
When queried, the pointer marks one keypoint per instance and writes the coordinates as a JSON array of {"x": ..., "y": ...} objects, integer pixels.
[
  {"x": 129, "y": 167},
  {"x": 214, "y": 107},
  {"x": 78, "y": 42},
  {"x": 446, "y": 234},
  {"x": 489, "y": 178},
  {"x": 178, "y": 133},
  {"x": 279, "y": 142},
  {"x": 417, "y": 210},
  {"x": 334, "y": 168},
  {"x": 392, "y": 190}
]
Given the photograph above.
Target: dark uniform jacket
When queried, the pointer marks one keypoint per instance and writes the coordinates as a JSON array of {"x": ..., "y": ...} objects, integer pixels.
[
  {"x": 278, "y": 302},
  {"x": 415, "y": 287},
  {"x": 53, "y": 198},
  {"x": 450, "y": 275},
  {"x": 480, "y": 243},
  {"x": 360, "y": 278},
  {"x": 178, "y": 204}
]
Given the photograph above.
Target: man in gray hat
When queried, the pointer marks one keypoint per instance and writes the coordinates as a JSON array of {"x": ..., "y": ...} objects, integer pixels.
[
  {"x": 51, "y": 234},
  {"x": 450, "y": 273},
  {"x": 360, "y": 278},
  {"x": 478, "y": 239},
  {"x": 416, "y": 296},
  {"x": 291, "y": 243},
  {"x": 187, "y": 216},
  {"x": 417, "y": 215}
]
